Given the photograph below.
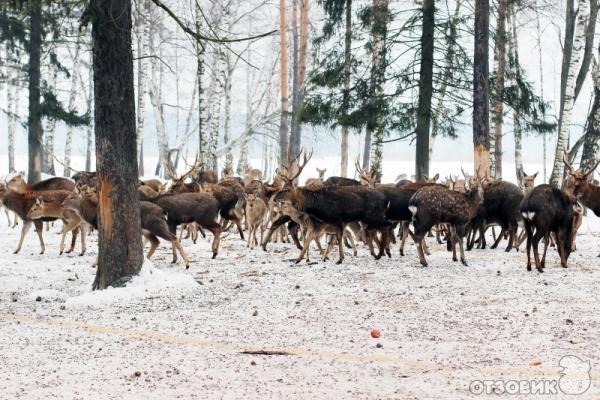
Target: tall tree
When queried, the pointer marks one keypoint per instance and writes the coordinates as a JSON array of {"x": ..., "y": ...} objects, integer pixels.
[
  {"x": 34, "y": 121},
  {"x": 200, "y": 72},
  {"x": 72, "y": 99},
  {"x": 119, "y": 236},
  {"x": 575, "y": 58},
  {"x": 591, "y": 145},
  {"x": 498, "y": 110},
  {"x": 283, "y": 85},
  {"x": 425, "y": 90},
  {"x": 375, "y": 127},
  {"x": 346, "y": 93},
  {"x": 481, "y": 89}
]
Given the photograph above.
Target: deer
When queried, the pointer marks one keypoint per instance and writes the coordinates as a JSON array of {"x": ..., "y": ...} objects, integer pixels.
[
  {"x": 339, "y": 206},
  {"x": 156, "y": 185},
  {"x": 71, "y": 221},
  {"x": 437, "y": 204},
  {"x": 255, "y": 216},
  {"x": 501, "y": 202},
  {"x": 528, "y": 182},
  {"x": 21, "y": 202},
  {"x": 17, "y": 183},
  {"x": 313, "y": 229},
  {"x": 251, "y": 174},
  {"x": 316, "y": 182},
  {"x": 547, "y": 210},
  {"x": 578, "y": 184}
]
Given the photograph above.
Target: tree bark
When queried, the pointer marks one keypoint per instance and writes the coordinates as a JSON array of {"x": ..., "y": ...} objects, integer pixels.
[
  {"x": 562, "y": 141},
  {"x": 513, "y": 55},
  {"x": 35, "y": 133},
  {"x": 119, "y": 235},
  {"x": 300, "y": 56},
  {"x": 481, "y": 88},
  {"x": 283, "y": 86},
  {"x": 89, "y": 135},
  {"x": 202, "y": 111},
  {"x": 500, "y": 63},
  {"x": 12, "y": 105},
  {"x": 72, "y": 98},
  {"x": 379, "y": 34},
  {"x": 425, "y": 91},
  {"x": 50, "y": 129},
  {"x": 591, "y": 144},
  {"x": 227, "y": 122},
  {"x": 346, "y": 93},
  {"x": 143, "y": 33}
]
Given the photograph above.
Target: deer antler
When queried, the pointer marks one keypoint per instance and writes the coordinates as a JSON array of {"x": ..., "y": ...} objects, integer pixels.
[
  {"x": 286, "y": 171},
  {"x": 464, "y": 173},
  {"x": 591, "y": 170},
  {"x": 567, "y": 162}
]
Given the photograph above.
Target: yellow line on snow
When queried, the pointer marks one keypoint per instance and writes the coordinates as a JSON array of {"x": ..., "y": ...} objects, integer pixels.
[{"x": 145, "y": 335}]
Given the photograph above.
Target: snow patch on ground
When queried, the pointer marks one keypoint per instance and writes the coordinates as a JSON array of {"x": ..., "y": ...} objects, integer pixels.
[{"x": 150, "y": 282}]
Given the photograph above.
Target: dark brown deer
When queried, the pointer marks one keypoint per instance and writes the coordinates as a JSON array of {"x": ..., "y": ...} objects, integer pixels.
[
  {"x": 546, "y": 210},
  {"x": 84, "y": 178},
  {"x": 338, "y": 206},
  {"x": 437, "y": 204}
]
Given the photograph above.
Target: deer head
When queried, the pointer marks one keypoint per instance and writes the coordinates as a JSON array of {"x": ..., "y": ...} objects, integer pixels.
[
  {"x": 285, "y": 173},
  {"x": 577, "y": 180}
]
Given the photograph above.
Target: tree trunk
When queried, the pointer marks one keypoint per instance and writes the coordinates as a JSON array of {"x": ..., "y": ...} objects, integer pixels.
[
  {"x": 301, "y": 45},
  {"x": 346, "y": 93},
  {"x": 202, "y": 111},
  {"x": 481, "y": 90},
  {"x": 567, "y": 50},
  {"x": 143, "y": 30},
  {"x": 89, "y": 135},
  {"x": 425, "y": 91},
  {"x": 35, "y": 133},
  {"x": 562, "y": 141},
  {"x": 452, "y": 34},
  {"x": 72, "y": 99},
  {"x": 214, "y": 121},
  {"x": 283, "y": 85},
  {"x": 591, "y": 144},
  {"x": 50, "y": 129},
  {"x": 513, "y": 55},
  {"x": 590, "y": 31},
  {"x": 12, "y": 105},
  {"x": 227, "y": 122},
  {"x": 119, "y": 235},
  {"x": 379, "y": 34},
  {"x": 541, "y": 65},
  {"x": 500, "y": 63}
]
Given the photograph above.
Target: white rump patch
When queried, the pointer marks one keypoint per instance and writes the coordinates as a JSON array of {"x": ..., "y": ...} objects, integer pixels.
[
  {"x": 413, "y": 209},
  {"x": 528, "y": 215}
]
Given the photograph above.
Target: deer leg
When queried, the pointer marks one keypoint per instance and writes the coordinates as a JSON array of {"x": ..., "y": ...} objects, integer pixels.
[
  {"x": 154, "y": 242},
  {"x": 543, "y": 262},
  {"x": 528, "y": 235},
  {"x": 452, "y": 241},
  {"x": 308, "y": 237},
  {"x": 351, "y": 239},
  {"x": 339, "y": 233},
  {"x": 404, "y": 228},
  {"x": 84, "y": 232},
  {"x": 173, "y": 230},
  {"x": 26, "y": 227},
  {"x": 175, "y": 243},
  {"x": 330, "y": 244},
  {"x": 498, "y": 238},
  {"x": 249, "y": 241},
  {"x": 216, "y": 231},
  {"x": 238, "y": 223},
  {"x": 74, "y": 228},
  {"x": 39, "y": 229},
  {"x": 535, "y": 241}
]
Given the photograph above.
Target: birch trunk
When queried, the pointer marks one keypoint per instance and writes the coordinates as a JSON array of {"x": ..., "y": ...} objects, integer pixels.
[
  {"x": 346, "y": 93},
  {"x": 202, "y": 110},
  {"x": 72, "y": 99},
  {"x": 89, "y": 135},
  {"x": 283, "y": 85},
  {"x": 562, "y": 141},
  {"x": 49, "y": 130},
  {"x": 541, "y": 65},
  {"x": 227, "y": 122},
  {"x": 379, "y": 33},
  {"x": 12, "y": 105},
  {"x": 143, "y": 33},
  {"x": 215, "y": 111},
  {"x": 513, "y": 54}
]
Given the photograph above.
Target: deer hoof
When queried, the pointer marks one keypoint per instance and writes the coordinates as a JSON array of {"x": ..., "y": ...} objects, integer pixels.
[
  {"x": 464, "y": 262},
  {"x": 338, "y": 262},
  {"x": 61, "y": 253},
  {"x": 187, "y": 266},
  {"x": 214, "y": 255},
  {"x": 529, "y": 268}
]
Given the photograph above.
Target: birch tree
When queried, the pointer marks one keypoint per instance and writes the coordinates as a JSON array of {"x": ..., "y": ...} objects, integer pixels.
[
  {"x": 591, "y": 145},
  {"x": 142, "y": 36},
  {"x": 513, "y": 55},
  {"x": 481, "y": 96},
  {"x": 72, "y": 99},
  {"x": 283, "y": 85},
  {"x": 49, "y": 131},
  {"x": 562, "y": 141}
]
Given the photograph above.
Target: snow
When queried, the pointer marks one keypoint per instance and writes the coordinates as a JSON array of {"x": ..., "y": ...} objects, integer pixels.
[{"x": 176, "y": 333}]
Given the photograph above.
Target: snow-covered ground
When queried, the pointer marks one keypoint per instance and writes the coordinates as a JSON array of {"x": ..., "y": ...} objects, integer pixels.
[{"x": 181, "y": 334}]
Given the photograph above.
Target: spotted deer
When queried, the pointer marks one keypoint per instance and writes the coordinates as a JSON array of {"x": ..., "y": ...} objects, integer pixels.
[{"x": 255, "y": 215}]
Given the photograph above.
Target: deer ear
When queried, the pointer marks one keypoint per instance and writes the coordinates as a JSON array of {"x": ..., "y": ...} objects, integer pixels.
[
  {"x": 534, "y": 175},
  {"x": 245, "y": 196},
  {"x": 436, "y": 177},
  {"x": 38, "y": 201}
]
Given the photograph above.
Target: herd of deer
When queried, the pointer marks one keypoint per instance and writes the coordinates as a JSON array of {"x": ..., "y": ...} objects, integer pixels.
[{"x": 340, "y": 209}]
